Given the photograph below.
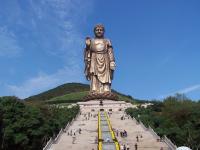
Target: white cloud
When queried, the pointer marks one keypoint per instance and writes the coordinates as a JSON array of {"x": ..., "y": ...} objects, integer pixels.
[
  {"x": 9, "y": 46},
  {"x": 54, "y": 26},
  {"x": 189, "y": 89},
  {"x": 60, "y": 22},
  {"x": 44, "y": 82},
  {"x": 182, "y": 91}
]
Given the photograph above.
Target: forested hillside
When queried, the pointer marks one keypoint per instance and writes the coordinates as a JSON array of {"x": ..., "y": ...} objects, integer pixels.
[
  {"x": 177, "y": 117},
  {"x": 71, "y": 93},
  {"x": 59, "y": 91}
]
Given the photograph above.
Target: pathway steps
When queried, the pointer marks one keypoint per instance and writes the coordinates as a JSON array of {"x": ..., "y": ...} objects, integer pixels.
[
  {"x": 88, "y": 139},
  {"x": 107, "y": 139}
]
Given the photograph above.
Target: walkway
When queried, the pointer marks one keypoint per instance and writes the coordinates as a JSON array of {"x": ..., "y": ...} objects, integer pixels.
[
  {"x": 87, "y": 139},
  {"x": 87, "y": 122},
  {"x": 107, "y": 139},
  {"x": 146, "y": 141}
]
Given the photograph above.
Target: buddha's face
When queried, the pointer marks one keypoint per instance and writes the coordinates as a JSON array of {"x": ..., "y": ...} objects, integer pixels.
[{"x": 99, "y": 32}]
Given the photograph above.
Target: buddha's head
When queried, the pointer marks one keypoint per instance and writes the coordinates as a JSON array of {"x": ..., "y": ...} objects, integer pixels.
[{"x": 99, "y": 31}]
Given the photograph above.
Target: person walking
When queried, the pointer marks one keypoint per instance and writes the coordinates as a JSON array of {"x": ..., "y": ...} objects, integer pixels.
[
  {"x": 136, "y": 146},
  {"x": 127, "y": 146},
  {"x": 137, "y": 138}
]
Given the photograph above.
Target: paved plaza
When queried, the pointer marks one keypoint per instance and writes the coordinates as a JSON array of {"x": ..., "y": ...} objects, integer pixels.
[{"x": 87, "y": 123}]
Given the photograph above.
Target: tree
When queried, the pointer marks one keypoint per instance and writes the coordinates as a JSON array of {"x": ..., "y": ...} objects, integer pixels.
[
  {"x": 177, "y": 117},
  {"x": 28, "y": 127}
]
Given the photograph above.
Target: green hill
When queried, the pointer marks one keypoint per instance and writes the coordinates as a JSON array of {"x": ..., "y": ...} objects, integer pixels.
[
  {"x": 59, "y": 91},
  {"x": 69, "y": 93}
]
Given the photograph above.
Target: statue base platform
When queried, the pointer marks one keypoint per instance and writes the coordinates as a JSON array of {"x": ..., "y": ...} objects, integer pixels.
[{"x": 100, "y": 96}]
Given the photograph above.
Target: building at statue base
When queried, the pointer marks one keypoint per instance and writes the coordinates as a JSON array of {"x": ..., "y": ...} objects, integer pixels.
[{"x": 108, "y": 105}]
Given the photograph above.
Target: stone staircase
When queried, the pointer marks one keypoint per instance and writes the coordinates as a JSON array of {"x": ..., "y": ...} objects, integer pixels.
[{"x": 87, "y": 121}]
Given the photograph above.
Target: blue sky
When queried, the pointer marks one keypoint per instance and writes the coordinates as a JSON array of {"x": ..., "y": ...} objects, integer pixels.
[{"x": 156, "y": 45}]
